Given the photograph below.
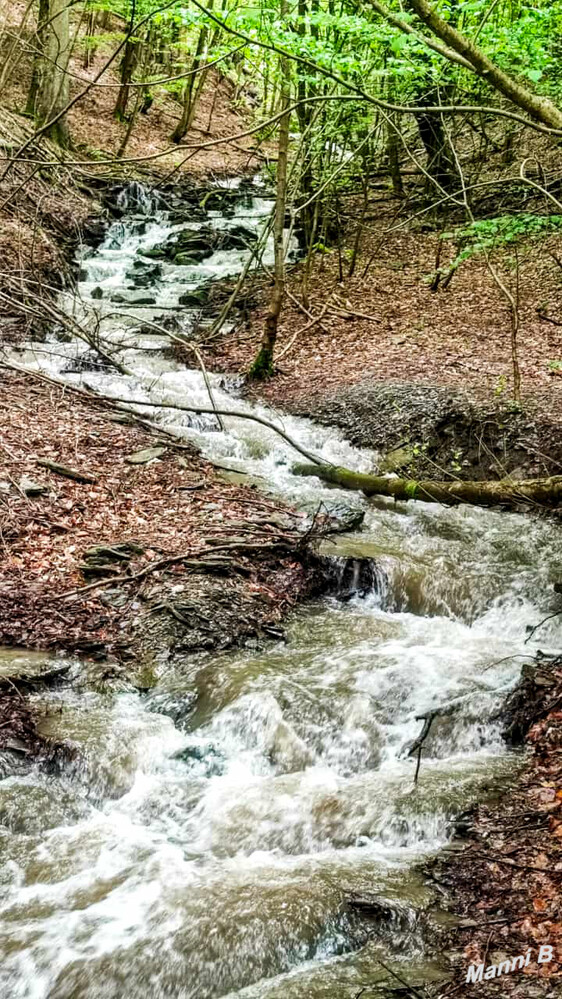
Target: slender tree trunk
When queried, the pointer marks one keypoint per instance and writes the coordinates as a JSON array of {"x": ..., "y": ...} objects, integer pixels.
[
  {"x": 439, "y": 165},
  {"x": 304, "y": 115},
  {"x": 361, "y": 223},
  {"x": 394, "y": 161},
  {"x": 12, "y": 53},
  {"x": 194, "y": 86},
  {"x": 130, "y": 124},
  {"x": 38, "y": 59},
  {"x": 393, "y": 146},
  {"x": 90, "y": 46},
  {"x": 54, "y": 85},
  {"x": 263, "y": 364}
]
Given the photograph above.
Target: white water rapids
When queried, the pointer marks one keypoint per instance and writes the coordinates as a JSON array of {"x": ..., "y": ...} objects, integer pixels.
[{"x": 202, "y": 844}]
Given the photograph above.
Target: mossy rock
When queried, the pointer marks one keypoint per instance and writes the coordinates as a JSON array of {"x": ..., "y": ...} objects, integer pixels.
[
  {"x": 185, "y": 260},
  {"x": 399, "y": 457},
  {"x": 194, "y": 299}
]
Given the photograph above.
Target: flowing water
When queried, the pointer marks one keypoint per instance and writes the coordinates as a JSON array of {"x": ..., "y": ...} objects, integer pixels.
[{"x": 203, "y": 842}]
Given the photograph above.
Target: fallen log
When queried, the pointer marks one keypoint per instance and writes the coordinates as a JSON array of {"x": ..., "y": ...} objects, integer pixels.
[{"x": 538, "y": 492}]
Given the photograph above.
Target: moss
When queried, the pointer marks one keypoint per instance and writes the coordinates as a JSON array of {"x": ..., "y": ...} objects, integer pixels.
[{"x": 262, "y": 368}]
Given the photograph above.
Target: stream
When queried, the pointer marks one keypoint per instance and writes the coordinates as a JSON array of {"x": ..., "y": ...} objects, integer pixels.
[{"x": 201, "y": 845}]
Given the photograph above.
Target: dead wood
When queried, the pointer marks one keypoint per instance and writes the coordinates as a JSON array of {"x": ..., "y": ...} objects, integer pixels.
[
  {"x": 504, "y": 492},
  {"x": 68, "y": 473}
]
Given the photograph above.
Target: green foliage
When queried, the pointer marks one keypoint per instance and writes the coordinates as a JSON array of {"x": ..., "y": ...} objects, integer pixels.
[{"x": 486, "y": 234}]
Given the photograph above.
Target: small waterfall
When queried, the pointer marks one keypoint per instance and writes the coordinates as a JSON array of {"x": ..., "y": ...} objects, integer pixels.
[
  {"x": 349, "y": 576},
  {"x": 137, "y": 197}
]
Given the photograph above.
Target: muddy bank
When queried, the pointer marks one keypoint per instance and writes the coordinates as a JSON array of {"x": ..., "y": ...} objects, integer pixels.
[
  {"x": 501, "y": 877},
  {"x": 436, "y": 431}
]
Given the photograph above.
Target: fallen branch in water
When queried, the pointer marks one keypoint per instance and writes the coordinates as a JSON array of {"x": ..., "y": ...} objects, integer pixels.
[
  {"x": 428, "y": 718},
  {"x": 47, "y": 312},
  {"x": 32, "y": 679},
  {"x": 123, "y": 404},
  {"x": 417, "y": 745},
  {"x": 540, "y": 624},
  {"x": 539, "y": 492},
  {"x": 189, "y": 345}
]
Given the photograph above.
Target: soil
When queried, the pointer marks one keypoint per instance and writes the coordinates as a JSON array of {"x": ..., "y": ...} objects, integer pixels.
[
  {"x": 442, "y": 432},
  {"x": 502, "y": 876}
]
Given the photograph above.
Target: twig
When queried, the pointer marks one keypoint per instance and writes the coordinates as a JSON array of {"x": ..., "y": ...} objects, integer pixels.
[
  {"x": 540, "y": 624},
  {"x": 419, "y": 744},
  {"x": 491, "y": 859},
  {"x": 413, "y": 991},
  {"x": 309, "y": 325}
]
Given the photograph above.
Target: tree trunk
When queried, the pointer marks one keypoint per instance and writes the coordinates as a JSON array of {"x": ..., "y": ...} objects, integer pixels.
[
  {"x": 305, "y": 115},
  {"x": 538, "y": 492},
  {"x": 394, "y": 161},
  {"x": 90, "y": 46},
  {"x": 439, "y": 164},
  {"x": 393, "y": 145},
  {"x": 53, "y": 91},
  {"x": 128, "y": 65},
  {"x": 189, "y": 102},
  {"x": 262, "y": 366}
]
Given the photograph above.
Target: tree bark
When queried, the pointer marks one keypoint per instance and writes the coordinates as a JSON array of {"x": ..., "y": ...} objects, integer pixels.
[
  {"x": 90, "y": 47},
  {"x": 50, "y": 88},
  {"x": 538, "y": 492},
  {"x": 128, "y": 65},
  {"x": 439, "y": 166},
  {"x": 262, "y": 366},
  {"x": 38, "y": 58},
  {"x": 189, "y": 102},
  {"x": 540, "y": 108}
]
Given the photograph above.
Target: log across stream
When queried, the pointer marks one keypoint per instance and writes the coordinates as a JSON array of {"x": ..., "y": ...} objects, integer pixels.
[{"x": 204, "y": 840}]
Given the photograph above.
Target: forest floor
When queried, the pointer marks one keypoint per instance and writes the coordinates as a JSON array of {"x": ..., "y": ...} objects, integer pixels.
[
  {"x": 44, "y": 213},
  {"x": 502, "y": 876},
  {"x": 179, "y": 536}
]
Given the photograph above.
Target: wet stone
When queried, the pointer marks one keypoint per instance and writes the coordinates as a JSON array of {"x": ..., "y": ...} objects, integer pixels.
[
  {"x": 133, "y": 299},
  {"x": 196, "y": 298}
]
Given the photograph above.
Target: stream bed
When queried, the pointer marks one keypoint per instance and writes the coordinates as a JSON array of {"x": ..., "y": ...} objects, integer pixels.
[{"x": 203, "y": 842}]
